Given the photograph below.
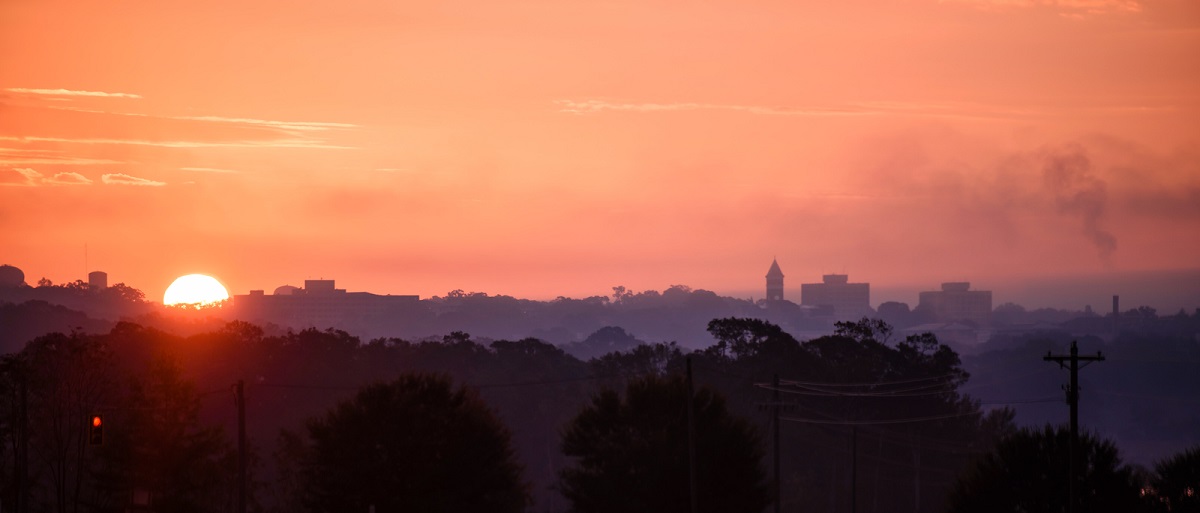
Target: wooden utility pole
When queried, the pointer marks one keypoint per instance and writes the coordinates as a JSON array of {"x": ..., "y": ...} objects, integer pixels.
[
  {"x": 776, "y": 445},
  {"x": 776, "y": 406},
  {"x": 22, "y": 456},
  {"x": 691, "y": 422},
  {"x": 1073, "y": 400},
  {"x": 241, "y": 407},
  {"x": 854, "y": 469}
]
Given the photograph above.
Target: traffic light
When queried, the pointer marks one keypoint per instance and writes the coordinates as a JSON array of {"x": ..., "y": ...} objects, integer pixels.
[{"x": 96, "y": 431}]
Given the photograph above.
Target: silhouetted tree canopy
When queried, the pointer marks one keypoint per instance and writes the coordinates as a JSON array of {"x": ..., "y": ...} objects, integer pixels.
[
  {"x": 1028, "y": 472},
  {"x": 1177, "y": 482},
  {"x": 631, "y": 453},
  {"x": 414, "y": 444},
  {"x": 153, "y": 441},
  {"x": 159, "y": 446}
]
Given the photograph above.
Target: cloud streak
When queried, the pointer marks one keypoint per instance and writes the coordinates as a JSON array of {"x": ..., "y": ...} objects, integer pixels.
[
  {"x": 301, "y": 126},
  {"x": 596, "y": 106},
  {"x": 272, "y": 143},
  {"x": 923, "y": 109},
  {"x": 24, "y": 157},
  {"x": 70, "y": 92},
  {"x": 1064, "y": 7},
  {"x": 124, "y": 179},
  {"x": 29, "y": 177},
  {"x": 208, "y": 170},
  {"x": 292, "y": 126},
  {"x": 68, "y": 178}
]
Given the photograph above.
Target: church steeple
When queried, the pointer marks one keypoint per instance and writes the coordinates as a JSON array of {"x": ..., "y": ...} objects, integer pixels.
[{"x": 775, "y": 282}]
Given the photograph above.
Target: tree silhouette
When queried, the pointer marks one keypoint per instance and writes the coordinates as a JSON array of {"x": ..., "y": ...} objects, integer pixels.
[
  {"x": 631, "y": 453},
  {"x": 414, "y": 444},
  {"x": 162, "y": 448},
  {"x": 1177, "y": 483},
  {"x": 1028, "y": 472}
]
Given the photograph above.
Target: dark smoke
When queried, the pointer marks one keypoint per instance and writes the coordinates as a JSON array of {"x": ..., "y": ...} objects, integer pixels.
[{"x": 1067, "y": 174}]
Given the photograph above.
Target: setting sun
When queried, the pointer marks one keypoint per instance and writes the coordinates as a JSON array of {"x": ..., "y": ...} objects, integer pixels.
[{"x": 195, "y": 289}]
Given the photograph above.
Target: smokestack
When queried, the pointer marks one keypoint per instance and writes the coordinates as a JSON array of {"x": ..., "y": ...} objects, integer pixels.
[{"x": 1116, "y": 313}]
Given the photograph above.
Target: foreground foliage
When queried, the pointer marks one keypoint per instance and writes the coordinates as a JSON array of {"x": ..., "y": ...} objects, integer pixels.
[
  {"x": 632, "y": 453},
  {"x": 1028, "y": 472},
  {"x": 414, "y": 444}
]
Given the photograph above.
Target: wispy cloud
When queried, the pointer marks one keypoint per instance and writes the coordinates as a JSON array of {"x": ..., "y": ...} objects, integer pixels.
[
  {"x": 270, "y": 143},
  {"x": 1070, "y": 8},
  {"x": 303, "y": 126},
  {"x": 595, "y": 106},
  {"x": 294, "y": 126},
  {"x": 21, "y": 176},
  {"x": 13, "y": 157},
  {"x": 68, "y": 178},
  {"x": 70, "y": 92},
  {"x": 925, "y": 109},
  {"x": 207, "y": 170},
  {"x": 124, "y": 179},
  {"x": 29, "y": 177}
]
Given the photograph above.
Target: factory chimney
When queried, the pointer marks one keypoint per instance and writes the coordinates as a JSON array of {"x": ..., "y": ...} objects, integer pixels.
[{"x": 1116, "y": 324}]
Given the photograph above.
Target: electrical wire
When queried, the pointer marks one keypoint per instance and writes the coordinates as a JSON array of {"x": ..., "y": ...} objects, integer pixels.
[
  {"x": 875, "y": 383},
  {"x": 908, "y": 420}
]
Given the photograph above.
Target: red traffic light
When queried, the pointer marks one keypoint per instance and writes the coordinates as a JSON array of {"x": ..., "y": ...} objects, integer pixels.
[{"x": 96, "y": 431}]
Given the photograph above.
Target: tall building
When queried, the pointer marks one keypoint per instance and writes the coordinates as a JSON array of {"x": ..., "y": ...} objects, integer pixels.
[
  {"x": 775, "y": 282},
  {"x": 319, "y": 304},
  {"x": 957, "y": 302},
  {"x": 848, "y": 300}
]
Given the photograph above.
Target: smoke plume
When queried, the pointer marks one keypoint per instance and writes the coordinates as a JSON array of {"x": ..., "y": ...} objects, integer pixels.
[{"x": 1077, "y": 192}]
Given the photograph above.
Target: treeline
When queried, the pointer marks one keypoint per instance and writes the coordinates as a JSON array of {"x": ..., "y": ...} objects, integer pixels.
[{"x": 859, "y": 411}]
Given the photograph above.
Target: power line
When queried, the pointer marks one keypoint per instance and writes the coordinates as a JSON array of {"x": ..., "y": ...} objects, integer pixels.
[
  {"x": 1149, "y": 397},
  {"x": 1027, "y": 401},
  {"x": 305, "y": 386},
  {"x": 880, "y": 422},
  {"x": 866, "y": 384},
  {"x": 823, "y": 393},
  {"x": 550, "y": 382}
]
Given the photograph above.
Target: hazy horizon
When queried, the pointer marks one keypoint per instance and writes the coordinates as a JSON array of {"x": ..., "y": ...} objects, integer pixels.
[
  {"x": 1166, "y": 291},
  {"x": 565, "y": 148}
]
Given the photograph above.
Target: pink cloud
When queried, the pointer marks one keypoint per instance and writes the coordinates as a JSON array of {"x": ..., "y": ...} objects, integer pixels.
[{"x": 124, "y": 179}]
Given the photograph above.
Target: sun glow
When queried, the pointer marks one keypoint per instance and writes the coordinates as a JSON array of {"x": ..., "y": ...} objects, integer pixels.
[{"x": 195, "y": 290}]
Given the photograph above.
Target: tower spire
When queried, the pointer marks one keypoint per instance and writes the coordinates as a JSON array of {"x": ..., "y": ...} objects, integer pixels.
[{"x": 775, "y": 282}]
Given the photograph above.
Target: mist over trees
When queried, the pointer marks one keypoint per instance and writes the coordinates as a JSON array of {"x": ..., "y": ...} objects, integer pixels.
[{"x": 892, "y": 416}]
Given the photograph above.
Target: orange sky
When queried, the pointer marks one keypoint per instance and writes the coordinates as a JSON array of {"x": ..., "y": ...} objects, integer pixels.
[{"x": 544, "y": 148}]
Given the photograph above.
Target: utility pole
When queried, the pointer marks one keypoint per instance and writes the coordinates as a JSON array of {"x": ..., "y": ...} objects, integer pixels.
[
  {"x": 691, "y": 421},
  {"x": 22, "y": 456},
  {"x": 854, "y": 469},
  {"x": 776, "y": 406},
  {"x": 241, "y": 407},
  {"x": 775, "y": 425},
  {"x": 1073, "y": 401}
]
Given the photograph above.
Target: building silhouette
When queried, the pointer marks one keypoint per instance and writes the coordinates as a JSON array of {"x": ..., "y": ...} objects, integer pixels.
[
  {"x": 319, "y": 304},
  {"x": 97, "y": 280},
  {"x": 775, "y": 282},
  {"x": 957, "y": 302},
  {"x": 848, "y": 300}
]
